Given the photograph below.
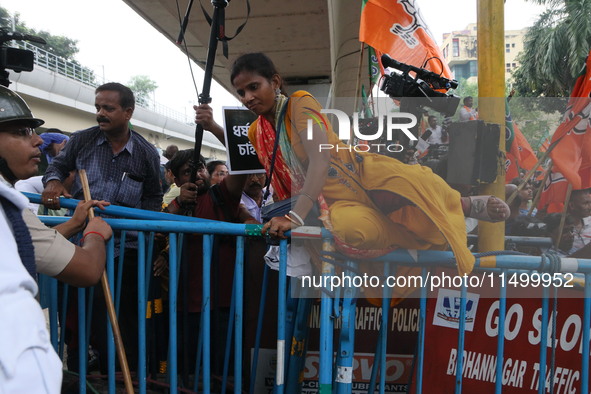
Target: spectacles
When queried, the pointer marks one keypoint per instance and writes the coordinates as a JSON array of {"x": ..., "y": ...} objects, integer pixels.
[{"x": 21, "y": 132}]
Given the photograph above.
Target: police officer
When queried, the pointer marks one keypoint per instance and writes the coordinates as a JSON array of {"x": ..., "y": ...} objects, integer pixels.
[{"x": 28, "y": 363}]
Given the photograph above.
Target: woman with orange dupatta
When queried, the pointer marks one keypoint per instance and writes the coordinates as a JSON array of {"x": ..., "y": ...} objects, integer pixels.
[{"x": 371, "y": 203}]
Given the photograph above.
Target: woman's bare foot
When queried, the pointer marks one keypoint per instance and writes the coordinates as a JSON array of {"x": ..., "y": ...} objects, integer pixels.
[{"x": 487, "y": 208}]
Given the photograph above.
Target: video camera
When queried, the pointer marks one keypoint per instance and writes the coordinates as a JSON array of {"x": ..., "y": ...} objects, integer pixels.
[
  {"x": 423, "y": 85},
  {"x": 15, "y": 59}
]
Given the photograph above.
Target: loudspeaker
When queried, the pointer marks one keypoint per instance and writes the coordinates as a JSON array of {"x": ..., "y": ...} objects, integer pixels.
[{"x": 473, "y": 152}]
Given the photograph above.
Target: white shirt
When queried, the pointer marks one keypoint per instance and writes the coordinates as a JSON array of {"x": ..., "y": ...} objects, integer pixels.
[
  {"x": 583, "y": 236},
  {"x": 435, "y": 137},
  {"x": 32, "y": 185},
  {"x": 22, "y": 326},
  {"x": 468, "y": 113},
  {"x": 251, "y": 206},
  {"x": 14, "y": 277}
]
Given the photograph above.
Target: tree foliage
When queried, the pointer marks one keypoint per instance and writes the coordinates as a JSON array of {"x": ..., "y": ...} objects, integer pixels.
[
  {"x": 5, "y": 19},
  {"x": 58, "y": 45},
  {"x": 64, "y": 48},
  {"x": 466, "y": 88},
  {"x": 555, "y": 49},
  {"x": 142, "y": 86}
]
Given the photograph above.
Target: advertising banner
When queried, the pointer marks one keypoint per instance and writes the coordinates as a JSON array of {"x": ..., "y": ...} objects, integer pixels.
[{"x": 523, "y": 333}]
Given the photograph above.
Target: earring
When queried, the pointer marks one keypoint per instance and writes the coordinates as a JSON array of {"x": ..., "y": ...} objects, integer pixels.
[{"x": 277, "y": 93}]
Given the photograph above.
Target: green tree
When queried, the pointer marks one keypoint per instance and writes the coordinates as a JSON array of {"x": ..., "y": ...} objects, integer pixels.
[
  {"x": 5, "y": 18},
  {"x": 466, "y": 88},
  {"x": 142, "y": 86},
  {"x": 555, "y": 49},
  {"x": 60, "y": 47}
]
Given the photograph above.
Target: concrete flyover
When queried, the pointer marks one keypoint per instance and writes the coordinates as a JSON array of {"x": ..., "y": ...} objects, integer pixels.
[
  {"x": 314, "y": 44},
  {"x": 68, "y": 104}
]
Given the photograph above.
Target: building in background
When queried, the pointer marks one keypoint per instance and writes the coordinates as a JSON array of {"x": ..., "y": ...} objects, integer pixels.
[{"x": 460, "y": 51}]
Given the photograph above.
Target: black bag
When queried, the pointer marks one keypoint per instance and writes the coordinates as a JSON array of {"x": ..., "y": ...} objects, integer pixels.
[
  {"x": 282, "y": 208},
  {"x": 279, "y": 208}
]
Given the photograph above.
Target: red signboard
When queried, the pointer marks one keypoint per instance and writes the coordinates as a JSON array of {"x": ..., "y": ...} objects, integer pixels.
[{"x": 523, "y": 330}]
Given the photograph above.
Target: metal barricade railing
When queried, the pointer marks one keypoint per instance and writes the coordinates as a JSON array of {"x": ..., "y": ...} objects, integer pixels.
[
  {"x": 335, "y": 374},
  {"x": 174, "y": 226}
]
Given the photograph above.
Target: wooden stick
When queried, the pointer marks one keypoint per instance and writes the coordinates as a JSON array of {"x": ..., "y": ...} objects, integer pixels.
[
  {"x": 358, "y": 82},
  {"x": 531, "y": 172},
  {"x": 109, "y": 301},
  {"x": 357, "y": 85},
  {"x": 538, "y": 195}
]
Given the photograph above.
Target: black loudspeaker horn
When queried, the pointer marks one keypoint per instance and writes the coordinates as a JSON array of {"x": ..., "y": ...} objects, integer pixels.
[{"x": 473, "y": 152}]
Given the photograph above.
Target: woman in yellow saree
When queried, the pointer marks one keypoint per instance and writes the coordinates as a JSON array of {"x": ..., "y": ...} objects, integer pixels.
[{"x": 371, "y": 203}]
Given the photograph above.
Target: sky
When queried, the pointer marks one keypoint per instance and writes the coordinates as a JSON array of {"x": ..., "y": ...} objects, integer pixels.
[{"x": 118, "y": 44}]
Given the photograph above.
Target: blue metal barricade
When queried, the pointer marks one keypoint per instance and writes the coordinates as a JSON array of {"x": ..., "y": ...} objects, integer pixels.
[{"x": 334, "y": 373}]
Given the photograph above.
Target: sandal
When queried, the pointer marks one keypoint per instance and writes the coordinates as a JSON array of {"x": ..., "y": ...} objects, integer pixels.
[{"x": 480, "y": 206}]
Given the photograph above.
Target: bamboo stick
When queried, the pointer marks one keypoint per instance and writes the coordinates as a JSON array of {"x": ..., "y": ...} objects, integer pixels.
[{"x": 109, "y": 301}]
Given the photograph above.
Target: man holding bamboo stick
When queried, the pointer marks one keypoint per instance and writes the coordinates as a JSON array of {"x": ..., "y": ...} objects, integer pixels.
[{"x": 124, "y": 169}]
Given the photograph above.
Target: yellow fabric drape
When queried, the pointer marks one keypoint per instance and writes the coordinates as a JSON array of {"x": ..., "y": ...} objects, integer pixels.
[{"x": 434, "y": 220}]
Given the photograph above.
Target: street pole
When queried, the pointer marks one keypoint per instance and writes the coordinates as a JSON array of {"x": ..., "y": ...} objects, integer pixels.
[{"x": 491, "y": 105}]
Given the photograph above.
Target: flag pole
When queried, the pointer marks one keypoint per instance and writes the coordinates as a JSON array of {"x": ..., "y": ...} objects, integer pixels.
[
  {"x": 529, "y": 174},
  {"x": 358, "y": 85},
  {"x": 536, "y": 199}
]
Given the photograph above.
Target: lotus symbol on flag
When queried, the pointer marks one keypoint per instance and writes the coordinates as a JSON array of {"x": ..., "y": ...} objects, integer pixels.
[{"x": 406, "y": 33}]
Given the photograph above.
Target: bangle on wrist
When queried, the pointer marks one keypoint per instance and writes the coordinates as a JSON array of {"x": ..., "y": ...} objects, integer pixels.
[
  {"x": 92, "y": 232},
  {"x": 291, "y": 220},
  {"x": 297, "y": 219}
]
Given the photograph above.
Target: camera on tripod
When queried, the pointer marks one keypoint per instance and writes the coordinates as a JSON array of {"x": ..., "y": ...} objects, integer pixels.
[
  {"x": 424, "y": 85},
  {"x": 15, "y": 59}
]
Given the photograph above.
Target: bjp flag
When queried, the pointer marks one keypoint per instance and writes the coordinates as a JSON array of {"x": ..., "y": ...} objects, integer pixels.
[
  {"x": 553, "y": 193},
  {"x": 519, "y": 152},
  {"x": 398, "y": 29},
  {"x": 572, "y": 154},
  {"x": 521, "y": 155},
  {"x": 511, "y": 168}
]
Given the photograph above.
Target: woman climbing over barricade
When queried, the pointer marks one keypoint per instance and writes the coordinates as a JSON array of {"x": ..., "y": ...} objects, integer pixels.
[{"x": 371, "y": 203}]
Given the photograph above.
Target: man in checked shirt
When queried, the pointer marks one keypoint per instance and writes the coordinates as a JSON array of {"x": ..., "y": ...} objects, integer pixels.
[{"x": 124, "y": 169}]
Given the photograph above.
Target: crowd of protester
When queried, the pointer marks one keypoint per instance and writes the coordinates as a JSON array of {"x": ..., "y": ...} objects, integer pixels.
[{"x": 383, "y": 193}]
